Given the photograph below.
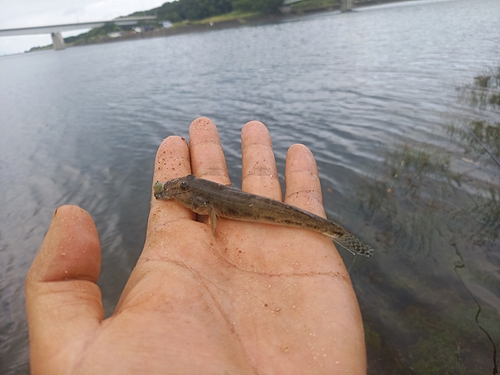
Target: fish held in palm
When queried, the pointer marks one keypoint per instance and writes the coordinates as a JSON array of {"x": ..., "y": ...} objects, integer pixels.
[{"x": 206, "y": 197}]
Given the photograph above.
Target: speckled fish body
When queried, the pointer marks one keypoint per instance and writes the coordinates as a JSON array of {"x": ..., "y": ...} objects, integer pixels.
[{"x": 206, "y": 197}]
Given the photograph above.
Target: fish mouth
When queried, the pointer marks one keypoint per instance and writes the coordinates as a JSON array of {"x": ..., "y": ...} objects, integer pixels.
[{"x": 158, "y": 188}]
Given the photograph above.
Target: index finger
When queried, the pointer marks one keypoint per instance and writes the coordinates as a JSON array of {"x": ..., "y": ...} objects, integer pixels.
[{"x": 172, "y": 161}]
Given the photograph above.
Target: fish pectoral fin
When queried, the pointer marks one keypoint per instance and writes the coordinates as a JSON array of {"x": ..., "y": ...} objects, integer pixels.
[{"x": 212, "y": 220}]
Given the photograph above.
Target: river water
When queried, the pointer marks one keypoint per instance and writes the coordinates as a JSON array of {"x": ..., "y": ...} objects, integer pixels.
[{"x": 380, "y": 95}]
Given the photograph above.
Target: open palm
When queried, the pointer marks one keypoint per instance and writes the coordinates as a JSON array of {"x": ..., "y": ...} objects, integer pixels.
[{"x": 254, "y": 299}]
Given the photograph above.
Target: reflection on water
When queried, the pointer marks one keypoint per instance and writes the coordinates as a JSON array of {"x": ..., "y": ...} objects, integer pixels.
[{"x": 437, "y": 209}]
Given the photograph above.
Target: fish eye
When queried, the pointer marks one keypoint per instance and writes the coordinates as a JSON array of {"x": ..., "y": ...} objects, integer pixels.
[{"x": 184, "y": 185}]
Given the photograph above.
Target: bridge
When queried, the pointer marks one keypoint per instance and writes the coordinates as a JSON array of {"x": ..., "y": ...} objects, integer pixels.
[{"x": 56, "y": 30}]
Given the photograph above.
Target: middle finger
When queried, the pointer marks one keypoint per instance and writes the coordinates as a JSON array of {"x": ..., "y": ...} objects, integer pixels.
[
  {"x": 207, "y": 157},
  {"x": 259, "y": 173}
]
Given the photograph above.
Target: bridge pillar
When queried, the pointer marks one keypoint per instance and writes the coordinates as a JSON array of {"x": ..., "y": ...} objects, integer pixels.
[
  {"x": 346, "y": 5},
  {"x": 58, "y": 41}
]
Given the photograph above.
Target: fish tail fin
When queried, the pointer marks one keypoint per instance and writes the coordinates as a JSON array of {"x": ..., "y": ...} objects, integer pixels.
[{"x": 354, "y": 245}]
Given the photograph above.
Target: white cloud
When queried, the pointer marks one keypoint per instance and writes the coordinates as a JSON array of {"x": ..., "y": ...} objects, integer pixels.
[{"x": 30, "y": 13}]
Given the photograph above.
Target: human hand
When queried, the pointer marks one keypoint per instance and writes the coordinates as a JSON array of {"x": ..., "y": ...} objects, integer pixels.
[{"x": 255, "y": 299}]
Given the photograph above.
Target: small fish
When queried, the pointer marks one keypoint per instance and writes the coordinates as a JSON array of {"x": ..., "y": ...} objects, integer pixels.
[{"x": 206, "y": 197}]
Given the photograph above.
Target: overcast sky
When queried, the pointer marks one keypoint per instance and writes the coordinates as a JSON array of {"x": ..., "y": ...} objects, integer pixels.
[{"x": 29, "y": 13}]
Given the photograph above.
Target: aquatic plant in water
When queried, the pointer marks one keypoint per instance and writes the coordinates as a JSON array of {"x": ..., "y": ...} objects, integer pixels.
[{"x": 436, "y": 211}]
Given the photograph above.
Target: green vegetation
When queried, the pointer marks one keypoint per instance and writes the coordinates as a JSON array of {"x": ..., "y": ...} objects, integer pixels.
[
  {"x": 195, "y": 10},
  {"x": 95, "y": 34},
  {"x": 44, "y": 48},
  {"x": 481, "y": 133},
  {"x": 261, "y": 6},
  {"x": 484, "y": 92},
  {"x": 235, "y": 15},
  {"x": 315, "y": 4},
  {"x": 192, "y": 10}
]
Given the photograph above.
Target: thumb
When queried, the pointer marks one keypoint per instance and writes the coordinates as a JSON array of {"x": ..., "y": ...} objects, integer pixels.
[{"x": 63, "y": 301}]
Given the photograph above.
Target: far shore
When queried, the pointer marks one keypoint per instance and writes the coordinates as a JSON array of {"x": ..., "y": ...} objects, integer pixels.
[
  {"x": 214, "y": 24},
  {"x": 209, "y": 25}
]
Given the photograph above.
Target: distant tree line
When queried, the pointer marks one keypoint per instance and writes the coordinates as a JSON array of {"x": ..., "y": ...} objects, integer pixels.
[
  {"x": 93, "y": 34},
  {"x": 261, "y": 6},
  {"x": 191, "y": 10}
]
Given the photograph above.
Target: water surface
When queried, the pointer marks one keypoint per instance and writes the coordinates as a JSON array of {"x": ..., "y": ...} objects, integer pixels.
[{"x": 379, "y": 95}]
